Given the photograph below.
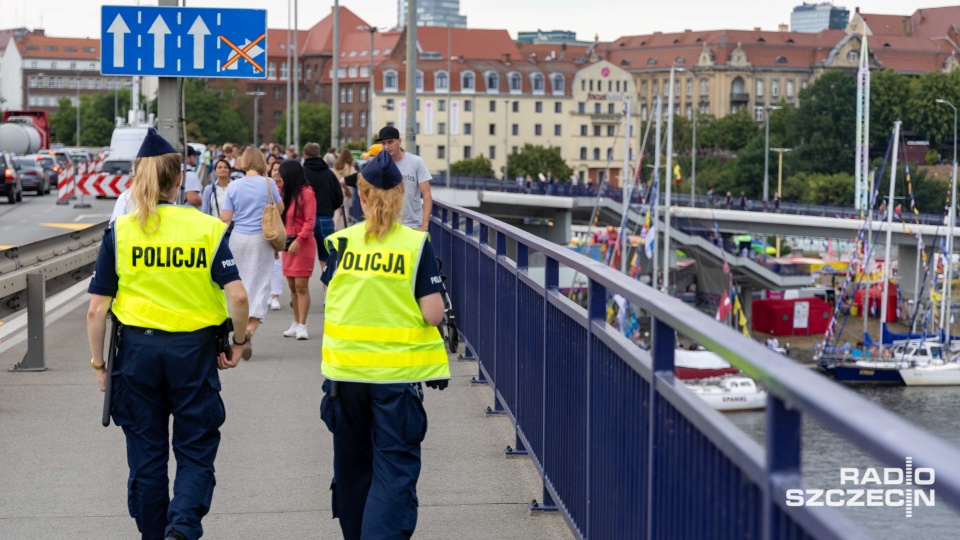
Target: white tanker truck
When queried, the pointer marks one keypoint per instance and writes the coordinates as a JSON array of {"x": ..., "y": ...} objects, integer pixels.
[{"x": 24, "y": 132}]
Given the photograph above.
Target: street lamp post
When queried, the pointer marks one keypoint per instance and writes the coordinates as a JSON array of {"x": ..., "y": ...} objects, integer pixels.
[
  {"x": 256, "y": 116},
  {"x": 953, "y": 210},
  {"x": 780, "y": 152},
  {"x": 449, "y": 148},
  {"x": 78, "y": 109},
  {"x": 766, "y": 145},
  {"x": 506, "y": 132},
  {"x": 372, "y": 30}
]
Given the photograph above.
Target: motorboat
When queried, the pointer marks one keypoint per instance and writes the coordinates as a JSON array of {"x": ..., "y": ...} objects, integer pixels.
[
  {"x": 700, "y": 364},
  {"x": 730, "y": 393},
  {"x": 934, "y": 373}
]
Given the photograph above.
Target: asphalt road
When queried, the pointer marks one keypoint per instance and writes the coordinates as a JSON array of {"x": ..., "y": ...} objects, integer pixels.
[{"x": 37, "y": 218}]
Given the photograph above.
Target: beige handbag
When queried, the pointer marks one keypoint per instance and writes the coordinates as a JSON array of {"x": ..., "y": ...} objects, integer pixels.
[{"x": 273, "y": 229}]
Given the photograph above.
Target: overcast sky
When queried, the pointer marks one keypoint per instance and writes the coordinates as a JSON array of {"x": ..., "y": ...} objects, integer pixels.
[{"x": 608, "y": 18}]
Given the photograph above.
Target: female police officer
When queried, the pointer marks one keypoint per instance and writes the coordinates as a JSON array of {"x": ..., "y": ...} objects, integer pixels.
[
  {"x": 163, "y": 266},
  {"x": 379, "y": 341}
]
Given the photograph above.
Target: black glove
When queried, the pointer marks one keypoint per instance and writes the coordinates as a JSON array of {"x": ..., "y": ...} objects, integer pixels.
[{"x": 438, "y": 385}]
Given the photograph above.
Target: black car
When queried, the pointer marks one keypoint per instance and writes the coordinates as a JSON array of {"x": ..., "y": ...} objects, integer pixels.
[
  {"x": 33, "y": 175},
  {"x": 10, "y": 184}
]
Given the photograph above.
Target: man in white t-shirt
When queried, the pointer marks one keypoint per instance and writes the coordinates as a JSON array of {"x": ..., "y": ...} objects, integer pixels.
[
  {"x": 191, "y": 181},
  {"x": 418, "y": 202}
]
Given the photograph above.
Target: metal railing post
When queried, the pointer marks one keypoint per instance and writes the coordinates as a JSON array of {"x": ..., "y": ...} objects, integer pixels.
[
  {"x": 783, "y": 461},
  {"x": 34, "y": 360},
  {"x": 664, "y": 345},
  {"x": 551, "y": 282}
]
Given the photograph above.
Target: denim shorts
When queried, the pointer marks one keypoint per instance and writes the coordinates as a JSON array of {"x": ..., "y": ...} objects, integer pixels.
[{"x": 322, "y": 228}]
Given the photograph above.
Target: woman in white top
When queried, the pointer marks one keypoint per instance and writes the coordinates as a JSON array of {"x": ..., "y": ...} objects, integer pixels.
[
  {"x": 216, "y": 192},
  {"x": 243, "y": 205}
]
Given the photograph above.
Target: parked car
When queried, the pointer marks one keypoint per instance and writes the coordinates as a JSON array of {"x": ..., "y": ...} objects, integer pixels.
[
  {"x": 11, "y": 185},
  {"x": 33, "y": 176}
]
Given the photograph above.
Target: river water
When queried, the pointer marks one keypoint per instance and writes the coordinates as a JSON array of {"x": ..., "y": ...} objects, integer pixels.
[{"x": 824, "y": 453}]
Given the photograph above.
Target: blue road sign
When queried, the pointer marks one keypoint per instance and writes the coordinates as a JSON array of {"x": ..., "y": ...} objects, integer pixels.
[{"x": 183, "y": 42}]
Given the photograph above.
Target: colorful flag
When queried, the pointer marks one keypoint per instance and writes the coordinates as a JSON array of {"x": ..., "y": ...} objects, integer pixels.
[
  {"x": 648, "y": 240},
  {"x": 725, "y": 307}
]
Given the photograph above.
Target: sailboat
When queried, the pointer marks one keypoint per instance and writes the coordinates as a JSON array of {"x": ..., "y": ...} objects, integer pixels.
[{"x": 881, "y": 370}]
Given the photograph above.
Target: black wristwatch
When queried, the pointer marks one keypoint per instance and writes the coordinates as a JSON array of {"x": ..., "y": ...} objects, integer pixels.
[{"x": 234, "y": 340}]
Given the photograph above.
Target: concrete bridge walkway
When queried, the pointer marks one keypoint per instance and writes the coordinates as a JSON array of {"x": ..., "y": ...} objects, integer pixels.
[{"x": 64, "y": 476}]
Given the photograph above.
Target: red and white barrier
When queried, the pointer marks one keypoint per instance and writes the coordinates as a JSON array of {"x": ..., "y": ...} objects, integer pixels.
[
  {"x": 103, "y": 184},
  {"x": 65, "y": 185}
]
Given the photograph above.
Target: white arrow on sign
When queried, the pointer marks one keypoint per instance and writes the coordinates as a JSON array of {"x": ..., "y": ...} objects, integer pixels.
[
  {"x": 119, "y": 29},
  {"x": 159, "y": 29},
  {"x": 199, "y": 31},
  {"x": 254, "y": 52}
]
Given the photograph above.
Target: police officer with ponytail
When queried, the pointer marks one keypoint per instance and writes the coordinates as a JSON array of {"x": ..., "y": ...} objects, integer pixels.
[
  {"x": 380, "y": 342},
  {"x": 165, "y": 268}
]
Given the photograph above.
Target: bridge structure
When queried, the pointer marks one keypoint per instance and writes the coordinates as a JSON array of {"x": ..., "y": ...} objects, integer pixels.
[
  {"x": 597, "y": 431},
  {"x": 691, "y": 224}
]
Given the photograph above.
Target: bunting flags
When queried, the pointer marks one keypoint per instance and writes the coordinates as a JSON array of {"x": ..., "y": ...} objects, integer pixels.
[
  {"x": 649, "y": 239},
  {"x": 741, "y": 316}
]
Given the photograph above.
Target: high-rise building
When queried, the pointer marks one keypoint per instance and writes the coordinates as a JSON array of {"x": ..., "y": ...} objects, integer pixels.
[
  {"x": 817, "y": 17},
  {"x": 551, "y": 37},
  {"x": 433, "y": 13}
]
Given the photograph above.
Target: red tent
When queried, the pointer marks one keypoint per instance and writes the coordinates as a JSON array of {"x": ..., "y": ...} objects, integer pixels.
[
  {"x": 797, "y": 316},
  {"x": 876, "y": 300}
]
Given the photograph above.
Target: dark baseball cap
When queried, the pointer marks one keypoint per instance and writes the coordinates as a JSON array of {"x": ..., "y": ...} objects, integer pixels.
[{"x": 388, "y": 132}]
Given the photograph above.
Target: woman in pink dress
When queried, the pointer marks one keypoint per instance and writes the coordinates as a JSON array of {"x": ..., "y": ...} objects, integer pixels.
[{"x": 299, "y": 215}]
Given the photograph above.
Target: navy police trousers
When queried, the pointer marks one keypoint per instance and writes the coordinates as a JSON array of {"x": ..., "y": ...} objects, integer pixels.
[
  {"x": 377, "y": 430},
  {"x": 158, "y": 374}
]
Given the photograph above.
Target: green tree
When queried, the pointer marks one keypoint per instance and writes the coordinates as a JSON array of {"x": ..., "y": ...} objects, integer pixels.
[
  {"x": 478, "y": 166},
  {"x": 315, "y": 121},
  {"x": 735, "y": 130},
  {"x": 534, "y": 160},
  {"x": 823, "y": 126},
  {"x": 211, "y": 118},
  {"x": 64, "y": 122},
  {"x": 889, "y": 94},
  {"x": 924, "y": 115}
]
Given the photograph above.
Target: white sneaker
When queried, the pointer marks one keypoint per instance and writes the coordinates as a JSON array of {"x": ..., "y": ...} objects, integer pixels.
[
  {"x": 302, "y": 332},
  {"x": 293, "y": 330},
  {"x": 274, "y": 304}
]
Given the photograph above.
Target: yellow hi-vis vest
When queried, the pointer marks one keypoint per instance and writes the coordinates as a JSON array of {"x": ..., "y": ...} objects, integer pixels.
[
  {"x": 373, "y": 330},
  {"x": 165, "y": 280}
]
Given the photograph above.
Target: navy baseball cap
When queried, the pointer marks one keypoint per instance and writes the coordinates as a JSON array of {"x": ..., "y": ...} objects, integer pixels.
[
  {"x": 154, "y": 145},
  {"x": 382, "y": 172}
]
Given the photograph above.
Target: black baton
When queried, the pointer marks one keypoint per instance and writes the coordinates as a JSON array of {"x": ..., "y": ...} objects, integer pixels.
[{"x": 111, "y": 360}]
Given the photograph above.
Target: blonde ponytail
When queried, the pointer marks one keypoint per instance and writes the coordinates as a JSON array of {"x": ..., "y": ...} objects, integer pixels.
[
  {"x": 156, "y": 176},
  {"x": 382, "y": 208}
]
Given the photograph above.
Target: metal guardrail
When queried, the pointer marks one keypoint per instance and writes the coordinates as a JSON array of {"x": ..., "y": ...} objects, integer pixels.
[
  {"x": 32, "y": 272},
  {"x": 566, "y": 189},
  {"x": 623, "y": 448}
]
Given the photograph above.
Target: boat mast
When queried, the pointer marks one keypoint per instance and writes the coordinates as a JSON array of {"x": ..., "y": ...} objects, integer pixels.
[
  {"x": 655, "y": 200},
  {"x": 667, "y": 173},
  {"x": 886, "y": 256}
]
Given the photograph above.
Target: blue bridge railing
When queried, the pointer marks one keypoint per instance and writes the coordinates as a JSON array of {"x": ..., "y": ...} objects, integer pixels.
[{"x": 624, "y": 449}]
